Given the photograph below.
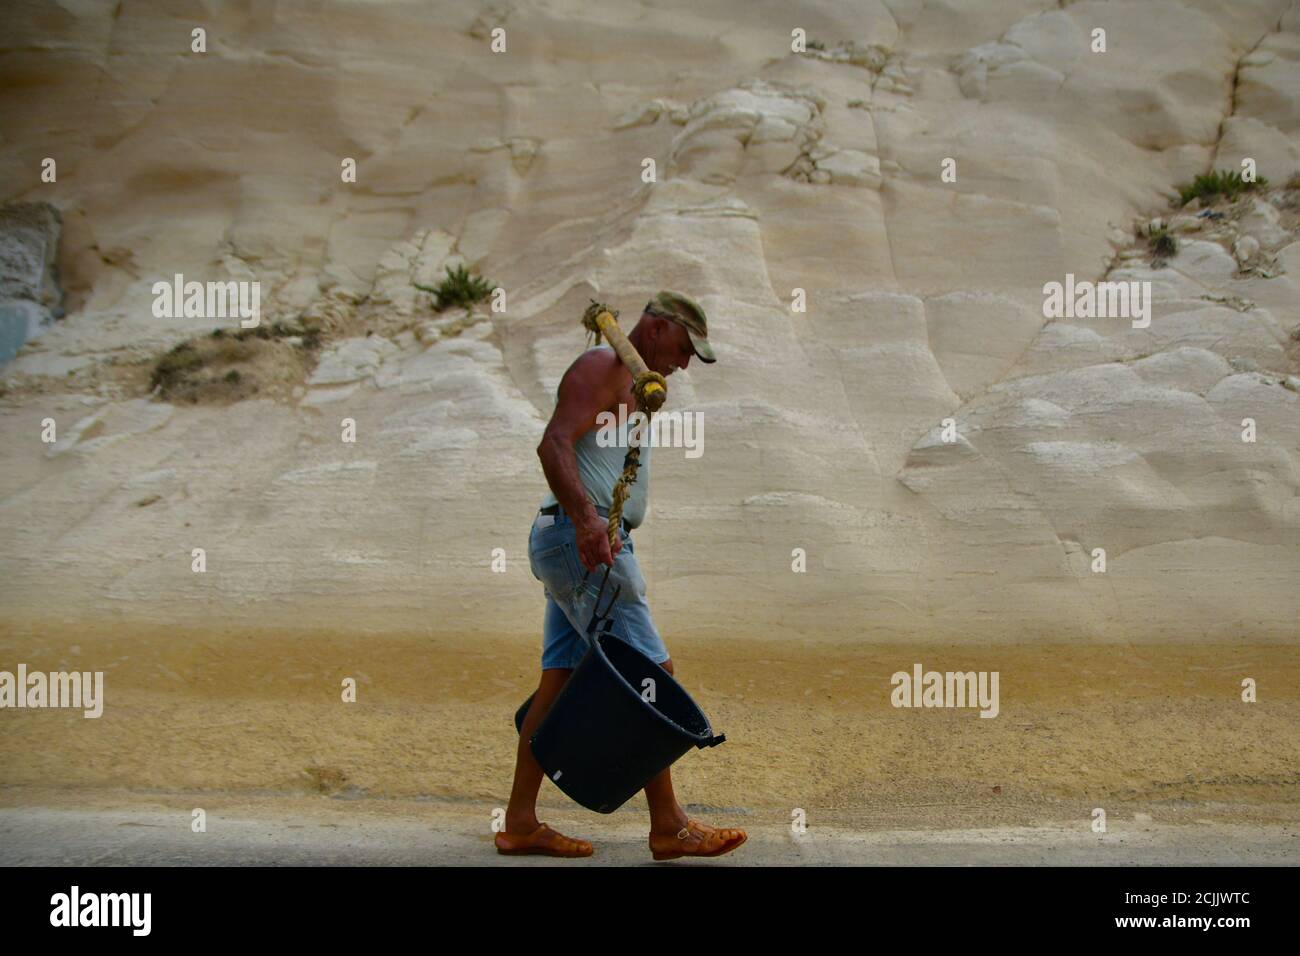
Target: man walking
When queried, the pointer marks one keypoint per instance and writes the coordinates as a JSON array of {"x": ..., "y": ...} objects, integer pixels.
[{"x": 570, "y": 534}]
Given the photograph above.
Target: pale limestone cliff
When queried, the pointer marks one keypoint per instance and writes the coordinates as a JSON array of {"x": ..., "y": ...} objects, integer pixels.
[{"x": 823, "y": 430}]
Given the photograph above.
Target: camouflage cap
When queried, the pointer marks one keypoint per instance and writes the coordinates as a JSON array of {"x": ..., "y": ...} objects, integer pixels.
[{"x": 686, "y": 312}]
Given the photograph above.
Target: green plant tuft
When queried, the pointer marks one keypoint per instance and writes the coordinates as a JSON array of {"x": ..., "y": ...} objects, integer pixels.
[
  {"x": 459, "y": 288},
  {"x": 1227, "y": 183}
]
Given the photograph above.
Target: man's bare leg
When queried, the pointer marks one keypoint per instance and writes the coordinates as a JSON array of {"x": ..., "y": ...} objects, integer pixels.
[
  {"x": 667, "y": 818},
  {"x": 666, "y": 815},
  {"x": 521, "y": 812}
]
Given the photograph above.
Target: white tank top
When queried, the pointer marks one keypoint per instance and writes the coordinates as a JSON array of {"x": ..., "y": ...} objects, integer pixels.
[{"x": 600, "y": 467}]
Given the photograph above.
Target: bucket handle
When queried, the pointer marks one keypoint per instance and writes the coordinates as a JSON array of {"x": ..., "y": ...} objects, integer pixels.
[
  {"x": 711, "y": 742},
  {"x": 601, "y": 620}
]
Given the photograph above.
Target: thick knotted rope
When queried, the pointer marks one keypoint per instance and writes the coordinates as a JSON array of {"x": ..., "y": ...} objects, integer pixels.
[
  {"x": 589, "y": 321},
  {"x": 646, "y": 404}
]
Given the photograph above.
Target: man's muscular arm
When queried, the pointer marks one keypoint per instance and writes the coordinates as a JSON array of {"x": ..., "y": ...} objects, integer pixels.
[{"x": 588, "y": 388}]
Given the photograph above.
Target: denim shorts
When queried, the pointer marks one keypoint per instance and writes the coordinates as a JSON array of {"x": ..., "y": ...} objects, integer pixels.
[{"x": 571, "y": 595}]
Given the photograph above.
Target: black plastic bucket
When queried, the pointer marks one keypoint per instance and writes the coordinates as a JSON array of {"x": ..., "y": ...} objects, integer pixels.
[{"x": 602, "y": 741}]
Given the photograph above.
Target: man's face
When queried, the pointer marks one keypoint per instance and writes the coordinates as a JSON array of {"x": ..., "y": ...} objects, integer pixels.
[{"x": 673, "y": 349}]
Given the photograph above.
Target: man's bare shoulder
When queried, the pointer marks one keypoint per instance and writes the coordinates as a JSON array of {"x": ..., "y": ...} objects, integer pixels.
[
  {"x": 595, "y": 367},
  {"x": 589, "y": 386}
]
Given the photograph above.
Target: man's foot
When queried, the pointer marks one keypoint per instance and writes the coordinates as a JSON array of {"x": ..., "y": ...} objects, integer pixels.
[
  {"x": 543, "y": 841},
  {"x": 695, "y": 839}
]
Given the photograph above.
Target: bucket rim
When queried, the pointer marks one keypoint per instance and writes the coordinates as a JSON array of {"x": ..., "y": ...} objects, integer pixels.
[{"x": 599, "y": 649}]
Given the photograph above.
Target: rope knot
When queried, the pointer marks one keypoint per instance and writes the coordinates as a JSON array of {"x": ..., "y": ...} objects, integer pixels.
[
  {"x": 589, "y": 321},
  {"x": 650, "y": 389}
]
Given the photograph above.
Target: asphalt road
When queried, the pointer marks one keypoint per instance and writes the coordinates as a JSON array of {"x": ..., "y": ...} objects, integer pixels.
[{"x": 129, "y": 837}]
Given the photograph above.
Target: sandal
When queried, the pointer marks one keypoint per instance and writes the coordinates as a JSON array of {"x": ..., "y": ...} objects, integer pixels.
[
  {"x": 714, "y": 842},
  {"x": 544, "y": 842}
]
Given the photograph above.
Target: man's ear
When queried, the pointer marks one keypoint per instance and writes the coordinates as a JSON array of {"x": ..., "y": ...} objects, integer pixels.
[{"x": 652, "y": 331}]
